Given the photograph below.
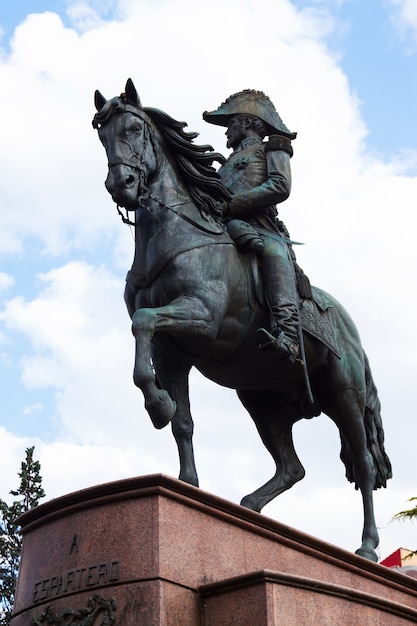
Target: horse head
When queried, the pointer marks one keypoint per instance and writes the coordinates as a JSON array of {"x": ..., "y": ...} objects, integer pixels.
[
  {"x": 124, "y": 130},
  {"x": 151, "y": 157}
]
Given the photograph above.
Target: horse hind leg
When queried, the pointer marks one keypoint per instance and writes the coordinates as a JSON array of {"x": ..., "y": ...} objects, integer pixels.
[
  {"x": 348, "y": 415},
  {"x": 276, "y": 434}
]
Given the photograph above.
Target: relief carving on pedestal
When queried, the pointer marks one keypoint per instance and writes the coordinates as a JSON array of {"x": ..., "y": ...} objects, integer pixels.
[{"x": 98, "y": 612}]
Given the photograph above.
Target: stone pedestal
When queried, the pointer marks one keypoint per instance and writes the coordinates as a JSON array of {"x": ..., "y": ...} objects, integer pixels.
[{"x": 153, "y": 551}]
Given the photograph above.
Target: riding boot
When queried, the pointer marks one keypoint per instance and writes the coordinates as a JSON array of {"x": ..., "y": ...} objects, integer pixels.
[{"x": 280, "y": 289}]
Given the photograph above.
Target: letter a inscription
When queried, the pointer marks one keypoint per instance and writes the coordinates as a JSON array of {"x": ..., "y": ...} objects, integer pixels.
[{"x": 74, "y": 545}]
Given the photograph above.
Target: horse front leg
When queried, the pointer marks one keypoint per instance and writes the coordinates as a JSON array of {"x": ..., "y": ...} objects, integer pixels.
[
  {"x": 158, "y": 403},
  {"x": 172, "y": 372},
  {"x": 185, "y": 316}
]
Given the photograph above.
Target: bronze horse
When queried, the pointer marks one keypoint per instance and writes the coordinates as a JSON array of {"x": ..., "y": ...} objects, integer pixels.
[{"x": 195, "y": 299}]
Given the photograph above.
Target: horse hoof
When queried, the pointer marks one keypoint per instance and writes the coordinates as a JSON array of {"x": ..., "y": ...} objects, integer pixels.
[
  {"x": 191, "y": 479},
  {"x": 250, "y": 503},
  {"x": 161, "y": 409},
  {"x": 367, "y": 554}
]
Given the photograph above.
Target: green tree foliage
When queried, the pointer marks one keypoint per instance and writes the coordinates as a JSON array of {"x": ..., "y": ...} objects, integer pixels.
[
  {"x": 408, "y": 514},
  {"x": 28, "y": 495}
]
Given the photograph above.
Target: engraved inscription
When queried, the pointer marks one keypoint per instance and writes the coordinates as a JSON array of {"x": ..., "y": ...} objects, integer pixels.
[
  {"x": 76, "y": 580},
  {"x": 97, "y": 607},
  {"x": 74, "y": 545}
]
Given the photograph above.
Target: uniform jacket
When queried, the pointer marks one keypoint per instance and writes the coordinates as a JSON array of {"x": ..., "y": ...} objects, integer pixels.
[{"x": 258, "y": 174}]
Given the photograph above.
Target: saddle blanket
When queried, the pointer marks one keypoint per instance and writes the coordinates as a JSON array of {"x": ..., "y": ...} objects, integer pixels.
[{"x": 316, "y": 320}]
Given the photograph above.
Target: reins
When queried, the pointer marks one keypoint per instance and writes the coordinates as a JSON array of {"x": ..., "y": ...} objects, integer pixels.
[
  {"x": 161, "y": 205},
  {"x": 124, "y": 219}
]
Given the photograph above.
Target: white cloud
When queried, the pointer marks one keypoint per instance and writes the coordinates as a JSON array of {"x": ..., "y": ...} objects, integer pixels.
[
  {"x": 352, "y": 209},
  {"x": 77, "y": 329},
  {"x": 6, "y": 281},
  {"x": 84, "y": 17},
  {"x": 33, "y": 408},
  {"x": 404, "y": 18}
]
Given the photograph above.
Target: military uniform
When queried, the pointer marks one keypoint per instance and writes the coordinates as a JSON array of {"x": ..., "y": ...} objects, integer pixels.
[
  {"x": 259, "y": 178},
  {"x": 258, "y": 174}
]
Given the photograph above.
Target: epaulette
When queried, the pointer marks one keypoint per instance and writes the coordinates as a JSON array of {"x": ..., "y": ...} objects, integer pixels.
[{"x": 278, "y": 142}]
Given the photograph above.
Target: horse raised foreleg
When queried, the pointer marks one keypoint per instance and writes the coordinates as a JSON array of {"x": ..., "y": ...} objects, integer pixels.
[
  {"x": 276, "y": 434},
  {"x": 185, "y": 316},
  {"x": 158, "y": 403}
]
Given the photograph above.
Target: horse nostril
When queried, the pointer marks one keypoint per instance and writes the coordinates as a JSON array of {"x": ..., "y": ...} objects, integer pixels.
[{"x": 130, "y": 180}]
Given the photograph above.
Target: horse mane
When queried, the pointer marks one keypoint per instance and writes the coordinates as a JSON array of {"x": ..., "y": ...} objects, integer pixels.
[{"x": 195, "y": 164}]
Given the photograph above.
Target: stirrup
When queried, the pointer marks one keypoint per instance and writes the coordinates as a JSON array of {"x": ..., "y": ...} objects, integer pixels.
[{"x": 285, "y": 347}]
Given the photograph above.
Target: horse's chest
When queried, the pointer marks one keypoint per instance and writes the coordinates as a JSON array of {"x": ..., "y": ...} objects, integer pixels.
[{"x": 158, "y": 247}]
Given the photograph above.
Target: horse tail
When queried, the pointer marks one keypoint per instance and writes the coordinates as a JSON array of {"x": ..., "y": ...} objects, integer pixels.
[{"x": 374, "y": 436}]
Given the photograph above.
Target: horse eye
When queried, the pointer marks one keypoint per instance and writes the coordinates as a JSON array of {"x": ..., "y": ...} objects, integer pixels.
[{"x": 136, "y": 128}]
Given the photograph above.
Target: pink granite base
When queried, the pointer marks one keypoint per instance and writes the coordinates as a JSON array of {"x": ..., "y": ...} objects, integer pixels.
[
  {"x": 155, "y": 551},
  {"x": 269, "y": 598},
  {"x": 140, "y": 603}
]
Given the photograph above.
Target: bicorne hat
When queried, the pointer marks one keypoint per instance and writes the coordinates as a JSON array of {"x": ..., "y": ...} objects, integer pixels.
[{"x": 249, "y": 102}]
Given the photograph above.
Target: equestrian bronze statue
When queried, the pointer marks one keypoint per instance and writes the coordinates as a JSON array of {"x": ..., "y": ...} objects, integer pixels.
[{"x": 201, "y": 291}]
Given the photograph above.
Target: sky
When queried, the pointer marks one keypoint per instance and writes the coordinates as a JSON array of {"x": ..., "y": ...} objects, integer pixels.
[{"x": 343, "y": 74}]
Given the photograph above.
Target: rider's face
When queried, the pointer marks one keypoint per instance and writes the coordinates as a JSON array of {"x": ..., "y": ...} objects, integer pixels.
[{"x": 235, "y": 133}]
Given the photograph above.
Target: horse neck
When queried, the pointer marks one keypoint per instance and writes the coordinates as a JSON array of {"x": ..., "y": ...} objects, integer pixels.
[
  {"x": 166, "y": 191},
  {"x": 166, "y": 187}
]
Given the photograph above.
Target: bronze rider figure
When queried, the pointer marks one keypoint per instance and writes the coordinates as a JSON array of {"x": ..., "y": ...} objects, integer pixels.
[{"x": 258, "y": 174}]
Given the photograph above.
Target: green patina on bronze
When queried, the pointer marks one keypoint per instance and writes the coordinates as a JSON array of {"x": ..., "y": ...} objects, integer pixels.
[{"x": 206, "y": 294}]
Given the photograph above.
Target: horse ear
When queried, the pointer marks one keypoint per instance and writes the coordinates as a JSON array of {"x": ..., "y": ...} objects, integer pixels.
[
  {"x": 99, "y": 100},
  {"x": 131, "y": 94}
]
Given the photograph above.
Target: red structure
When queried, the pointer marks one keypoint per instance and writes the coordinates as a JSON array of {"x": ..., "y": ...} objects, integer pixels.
[{"x": 400, "y": 558}]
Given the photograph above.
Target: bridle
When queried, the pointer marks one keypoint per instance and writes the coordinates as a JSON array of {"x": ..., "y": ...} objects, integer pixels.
[
  {"x": 125, "y": 218},
  {"x": 136, "y": 163}
]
